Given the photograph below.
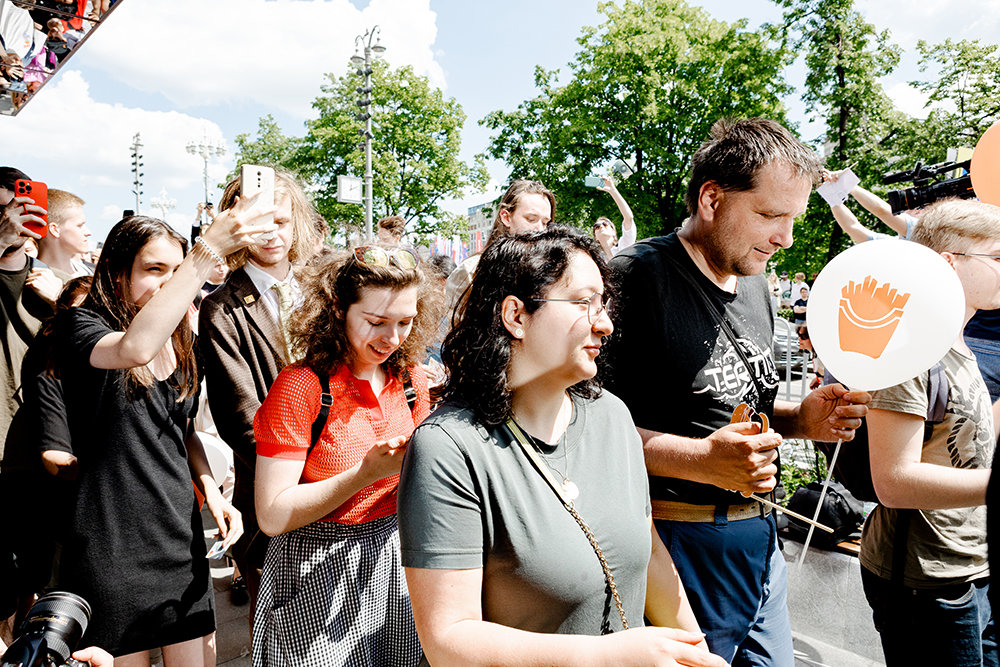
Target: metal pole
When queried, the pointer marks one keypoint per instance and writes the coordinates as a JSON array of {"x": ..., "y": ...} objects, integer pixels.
[{"x": 368, "y": 149}]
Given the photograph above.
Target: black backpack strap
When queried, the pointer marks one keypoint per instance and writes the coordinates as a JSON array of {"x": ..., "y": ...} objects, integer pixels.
[
  {"x": 408, "y": 390},
  {"x": 325, "y": 401}
]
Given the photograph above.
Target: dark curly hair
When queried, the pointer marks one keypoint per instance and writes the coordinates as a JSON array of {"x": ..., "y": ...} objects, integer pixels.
[
  {"x": 477, "y": 352},
  {"x": 111, "y": 297},
  {"x": 329, "y": 287}
]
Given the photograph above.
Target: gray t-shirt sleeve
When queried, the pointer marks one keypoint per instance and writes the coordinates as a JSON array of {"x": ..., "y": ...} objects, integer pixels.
[
  {"x": 439, "y": 508},
  {"x": 909, "y": 397}
]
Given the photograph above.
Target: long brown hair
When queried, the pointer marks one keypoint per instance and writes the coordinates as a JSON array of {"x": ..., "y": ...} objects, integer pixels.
[
  {"x": 511, "y": 198},
  {"x": 303, "y": 226},
  {"x": 319, "y": 329},
  {"x": 111, "y": 297}
]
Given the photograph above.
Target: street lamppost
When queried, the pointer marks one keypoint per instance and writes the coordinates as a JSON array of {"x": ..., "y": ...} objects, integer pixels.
[
  {"x": 164, "y": 203},
  {"x": 136, "y": 174},
  {"x": 207, "y": 148},
  {"x": 364, "y": 65}
]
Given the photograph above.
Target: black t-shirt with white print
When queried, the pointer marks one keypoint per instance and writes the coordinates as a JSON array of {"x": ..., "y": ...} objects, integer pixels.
[{"x": 672, "y": 364}]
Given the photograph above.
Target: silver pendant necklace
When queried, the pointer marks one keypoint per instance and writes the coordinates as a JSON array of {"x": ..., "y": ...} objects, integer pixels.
[{"x": 569, "y": 487}]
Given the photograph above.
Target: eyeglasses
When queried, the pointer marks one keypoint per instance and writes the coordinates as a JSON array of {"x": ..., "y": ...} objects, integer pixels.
[
  {"x": 995, "y": 258},
  {"x": 602, "y": 223},
  {"x": 373, "y": 255},
  {"x": 596, "y": 305}
]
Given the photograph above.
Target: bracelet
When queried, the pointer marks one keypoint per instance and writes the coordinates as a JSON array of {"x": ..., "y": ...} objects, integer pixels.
[{"x": 218, "y": 258}]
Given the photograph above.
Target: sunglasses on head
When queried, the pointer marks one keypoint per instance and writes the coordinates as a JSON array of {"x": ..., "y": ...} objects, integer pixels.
[{"x": 373, "y": 255}]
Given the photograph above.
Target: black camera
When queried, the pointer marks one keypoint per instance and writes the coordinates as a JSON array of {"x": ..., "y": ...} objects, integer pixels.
[
  {"x": 926, "y": 189},
  {"x": 49, "y": 633}
]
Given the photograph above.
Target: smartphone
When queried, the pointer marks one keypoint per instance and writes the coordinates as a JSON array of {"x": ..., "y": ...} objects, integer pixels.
[
  {"x": 39, "y": 192},
  {"x": 593, "y": 181},
  {"x": 255, "y": 179}
]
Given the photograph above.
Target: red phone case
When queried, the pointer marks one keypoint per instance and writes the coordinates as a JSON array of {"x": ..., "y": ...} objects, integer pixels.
[{"x": 39, "y": 192}]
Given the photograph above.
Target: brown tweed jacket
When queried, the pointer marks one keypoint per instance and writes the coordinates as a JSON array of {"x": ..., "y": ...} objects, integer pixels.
[{"x": 243, "y": 350}]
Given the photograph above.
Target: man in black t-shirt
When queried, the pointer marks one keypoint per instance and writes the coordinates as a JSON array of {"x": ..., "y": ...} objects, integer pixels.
[
  {"x": 799, "y": 308},
  {"x": 682, "y": 377},
  {"x": 22, "y": 310}
]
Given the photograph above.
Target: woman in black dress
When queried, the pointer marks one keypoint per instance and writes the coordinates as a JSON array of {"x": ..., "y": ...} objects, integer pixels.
[{"x": 135, "y": 547}]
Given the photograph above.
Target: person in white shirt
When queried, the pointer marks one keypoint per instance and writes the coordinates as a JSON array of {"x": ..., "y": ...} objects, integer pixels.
[{"x": 604, "y": 229}]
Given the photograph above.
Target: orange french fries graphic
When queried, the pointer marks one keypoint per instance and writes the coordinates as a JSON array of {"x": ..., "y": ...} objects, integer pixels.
[{"x": 869, "y": 316}]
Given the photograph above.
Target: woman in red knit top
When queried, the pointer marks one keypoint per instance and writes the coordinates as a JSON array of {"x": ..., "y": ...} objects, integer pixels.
[{"x": 333, "y": 591}]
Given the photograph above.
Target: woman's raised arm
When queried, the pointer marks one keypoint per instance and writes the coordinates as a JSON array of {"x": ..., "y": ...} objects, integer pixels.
[{"x": 156, "y": 321}]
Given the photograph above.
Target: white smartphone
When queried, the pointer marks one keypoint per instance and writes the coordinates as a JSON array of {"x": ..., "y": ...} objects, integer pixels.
[{"x": 257, "y": 180}]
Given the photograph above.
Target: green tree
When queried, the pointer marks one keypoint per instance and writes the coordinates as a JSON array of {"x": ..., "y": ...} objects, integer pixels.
[
  {"x": 646, "y": 87},
  {"x": 845, "y": 57},
  {"x": 415, "y": 164},
  {"x": 962, "y": 93},
  {"x": 417, "y": 139},
  {"x": 270, "y": 148}
]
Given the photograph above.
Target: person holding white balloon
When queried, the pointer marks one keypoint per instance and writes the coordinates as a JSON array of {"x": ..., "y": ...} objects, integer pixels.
[
  {"x": 932, "y": 486},
  {"x": 695, "y": 343}
]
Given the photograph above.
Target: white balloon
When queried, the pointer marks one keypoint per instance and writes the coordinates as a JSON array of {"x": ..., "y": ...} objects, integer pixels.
[{"x": 883, "y": 312}]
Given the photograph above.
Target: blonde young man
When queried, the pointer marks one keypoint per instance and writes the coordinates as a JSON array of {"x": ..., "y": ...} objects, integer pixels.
[
  {"x": 936, "y": 611},
  {"x": 68, "y": 237},
  {"x": 527, "y": 206},
  {"x": 241, "y": 334}
]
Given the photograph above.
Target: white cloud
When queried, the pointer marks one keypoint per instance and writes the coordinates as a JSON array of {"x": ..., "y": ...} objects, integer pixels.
[
  {"x": 88, "y": 151},
  {"x": 934, "y": 20},
  {"x": 252, "y": 51}
]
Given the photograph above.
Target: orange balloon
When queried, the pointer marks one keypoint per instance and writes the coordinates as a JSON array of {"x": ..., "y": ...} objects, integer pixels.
[{"x": 985, "y": 168}]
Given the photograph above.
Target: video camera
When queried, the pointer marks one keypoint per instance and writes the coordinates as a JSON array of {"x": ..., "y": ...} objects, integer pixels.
[
  {"x": 927, "y": 189},
  {"x": 50, "y": 632}
]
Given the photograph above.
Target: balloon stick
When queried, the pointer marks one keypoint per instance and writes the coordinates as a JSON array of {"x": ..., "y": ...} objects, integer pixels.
[
  {"x": 819, "y": 505},
  {"x": 785, "y": 510}
]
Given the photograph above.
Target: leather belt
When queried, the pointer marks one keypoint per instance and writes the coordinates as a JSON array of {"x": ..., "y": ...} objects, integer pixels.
[{"x": 670, "y": 510}]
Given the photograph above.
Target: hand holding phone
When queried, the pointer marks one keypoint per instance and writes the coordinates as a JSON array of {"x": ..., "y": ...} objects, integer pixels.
[
  {"x": 38, "y": 192},
  {"x": 259, "y": 181}
]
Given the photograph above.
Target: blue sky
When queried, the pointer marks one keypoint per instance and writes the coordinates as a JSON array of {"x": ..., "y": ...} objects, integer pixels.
[{"x": 175, "y": 71}]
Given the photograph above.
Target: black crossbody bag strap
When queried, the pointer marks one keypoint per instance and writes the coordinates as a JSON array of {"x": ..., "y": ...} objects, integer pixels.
[{"x": 720, "y": 320}]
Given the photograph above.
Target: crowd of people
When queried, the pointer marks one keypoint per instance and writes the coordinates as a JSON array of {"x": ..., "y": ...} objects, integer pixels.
[
  {"x": 37, "y": 35},
  {"x": 525, "y": 459}
]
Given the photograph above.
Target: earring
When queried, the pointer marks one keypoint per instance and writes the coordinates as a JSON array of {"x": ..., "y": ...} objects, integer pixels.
[{"x": 518, "y": 333}]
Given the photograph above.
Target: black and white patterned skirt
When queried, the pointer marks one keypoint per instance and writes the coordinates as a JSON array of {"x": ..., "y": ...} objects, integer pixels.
[{"x": 334, "y": 595}]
